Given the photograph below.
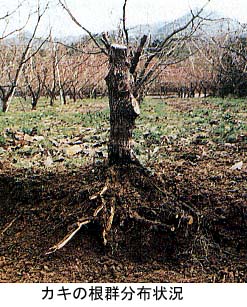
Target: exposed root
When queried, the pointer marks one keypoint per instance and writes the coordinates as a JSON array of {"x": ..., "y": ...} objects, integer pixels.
[
  {"x": 143, "y": 220},
  {"x": 69, "y": 236},
  {"x": 97, "y": 211},
  {"x": 108, "y": 225},
  {"x": 84, "y": 221},
  {"x": 102, "y": 192},
  {"x": 120, "y": 200},
  {"x": 8, "y": 226}
]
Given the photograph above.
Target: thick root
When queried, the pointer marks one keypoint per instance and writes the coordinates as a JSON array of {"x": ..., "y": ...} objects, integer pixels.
[
  {"x": 69, "y": 236},
  {"x": 84, "y": 221}
]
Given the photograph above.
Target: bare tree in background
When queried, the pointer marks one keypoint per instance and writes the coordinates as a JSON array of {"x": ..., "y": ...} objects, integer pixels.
[
  {"x": 35, "y": 75},
  {"x": 51, "y": 80},
  {"x": 223, "y": 59},
  {"x": 232, "y": 66},
  {"x": 23, "y": 53}
]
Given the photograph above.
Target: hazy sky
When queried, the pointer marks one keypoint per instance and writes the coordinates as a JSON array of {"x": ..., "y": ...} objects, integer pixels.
[{"x": 100, "y": 15}]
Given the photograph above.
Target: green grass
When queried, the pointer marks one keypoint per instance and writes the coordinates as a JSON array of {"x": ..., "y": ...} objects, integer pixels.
[{"x": 161, "y": 124}]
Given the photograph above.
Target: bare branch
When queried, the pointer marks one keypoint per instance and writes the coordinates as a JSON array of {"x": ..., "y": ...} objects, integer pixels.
[
  {"x": 161, "y": 62},
  {"x": 24, "y": 54},
  {"x": 182, "y": 28},
  {"x": 158, "y": 52},
  {"x": 24, "y": 57},
  {"x": 36, "y": 50},
  {"x": 231, "y": 49},
  {"x": 77, "y": 49},
  {"x": 4, "y": 36},
  {"x": 8, "y": 14},
  {"x": 165, "y": 65},
  {"x": 65, "y": 7}
]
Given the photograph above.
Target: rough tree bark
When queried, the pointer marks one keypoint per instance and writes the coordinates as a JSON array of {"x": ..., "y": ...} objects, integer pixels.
[{"x": 124, "y": 108}]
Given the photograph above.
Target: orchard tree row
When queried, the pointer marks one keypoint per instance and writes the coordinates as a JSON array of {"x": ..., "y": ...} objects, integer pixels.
[{"x": 188, "y": 62}]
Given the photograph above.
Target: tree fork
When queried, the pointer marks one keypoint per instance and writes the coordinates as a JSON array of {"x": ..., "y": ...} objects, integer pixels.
[{"x": 124, "y": 108}]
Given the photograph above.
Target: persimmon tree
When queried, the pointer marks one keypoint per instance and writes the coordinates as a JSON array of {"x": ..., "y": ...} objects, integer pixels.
[
  {"x": 14, "y": 59},
  {"x": 232, "y": 67},
  {"x": 131, "y": 68},
  {"x": 35, "y": 75},
  {"x": 85, "y": 69},
  {"x": 222, "y": 63}
]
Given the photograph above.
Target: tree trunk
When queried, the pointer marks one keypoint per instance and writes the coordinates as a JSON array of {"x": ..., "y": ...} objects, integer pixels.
[
  {"x": 124, "y": 108},
  {"x": 4, "y": 99},
  {"x": 52, "y": 100},
  {"x": 52, "y": 96},
  {"x": 63, "y": 95},
  {"x": 4, "y": 105},
  {"x": 34, "y": 103}
]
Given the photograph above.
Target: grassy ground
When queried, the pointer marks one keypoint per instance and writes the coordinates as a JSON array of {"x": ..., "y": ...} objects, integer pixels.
[
  {"x": 163, "y": 124},
  {"x": 52, "y": 161}
]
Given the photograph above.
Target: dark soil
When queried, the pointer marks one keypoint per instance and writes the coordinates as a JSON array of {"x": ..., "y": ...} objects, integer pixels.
[{"x": 181, "y": 222}]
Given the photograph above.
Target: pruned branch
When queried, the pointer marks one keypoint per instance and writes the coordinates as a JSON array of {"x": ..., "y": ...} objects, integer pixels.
[
  {"x": 124, "y": 23},
  {"x": 137, "y": 55},
  {"x": 105, "y": 41}
]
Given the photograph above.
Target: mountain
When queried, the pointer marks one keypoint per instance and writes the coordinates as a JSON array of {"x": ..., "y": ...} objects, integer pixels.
[{"x": 213, "y": 25}]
